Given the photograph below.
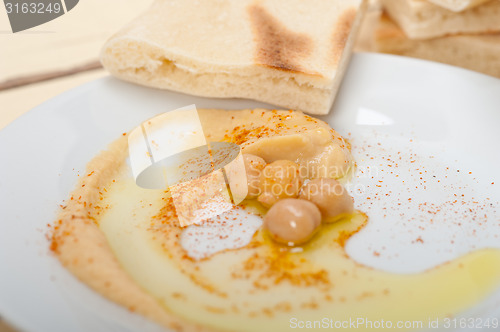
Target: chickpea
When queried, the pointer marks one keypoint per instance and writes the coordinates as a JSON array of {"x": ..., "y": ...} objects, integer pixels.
[
  {"x": 280, "y": 179},
  {"x": 292, "y": 221},
  {"x": 330, "y": 196},
  {"x": 253, "y": 167}
]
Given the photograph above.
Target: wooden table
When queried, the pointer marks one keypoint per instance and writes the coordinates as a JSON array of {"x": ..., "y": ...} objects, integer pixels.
[{"x": 70, "y": 41}]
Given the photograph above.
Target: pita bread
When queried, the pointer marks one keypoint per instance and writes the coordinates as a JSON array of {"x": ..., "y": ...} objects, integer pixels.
[
  {"x": 293, "y": 56},
  {"x": 421, "y": 19},
  {"x": 476, "y": 52}
]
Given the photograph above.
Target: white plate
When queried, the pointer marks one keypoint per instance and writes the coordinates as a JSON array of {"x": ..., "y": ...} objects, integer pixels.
[{"x": 437, "y": 116}]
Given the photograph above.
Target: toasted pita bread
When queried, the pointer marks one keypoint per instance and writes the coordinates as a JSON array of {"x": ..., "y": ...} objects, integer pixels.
[
  {"x": 421, "y": 19},
  {"x": 291, "y": 55}
]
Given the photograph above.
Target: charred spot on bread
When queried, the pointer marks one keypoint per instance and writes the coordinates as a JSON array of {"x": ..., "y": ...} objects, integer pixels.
[
  {"x": 276, "y": 45},
  {"x": 341, "y": 33}
]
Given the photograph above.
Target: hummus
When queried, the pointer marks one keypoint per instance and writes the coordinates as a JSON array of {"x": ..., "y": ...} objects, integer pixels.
[{"x": 125, "y": 242}]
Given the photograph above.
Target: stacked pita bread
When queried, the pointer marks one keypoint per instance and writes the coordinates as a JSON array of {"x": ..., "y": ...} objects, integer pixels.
[
  {"x": 422, "y": 19},
  {"x": 463, "y": 33},
  {"x": 476, "y": 52},
  {"x": 292, "y": 55}
]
